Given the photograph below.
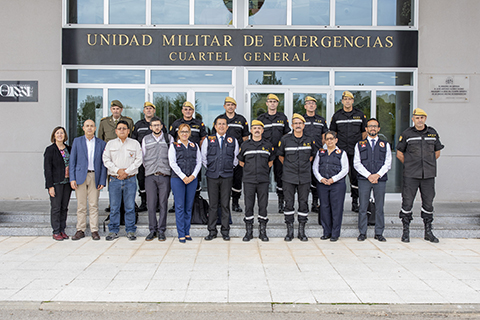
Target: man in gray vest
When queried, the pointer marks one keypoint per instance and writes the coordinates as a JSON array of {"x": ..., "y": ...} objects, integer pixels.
[{"x": 157, "y": 177}]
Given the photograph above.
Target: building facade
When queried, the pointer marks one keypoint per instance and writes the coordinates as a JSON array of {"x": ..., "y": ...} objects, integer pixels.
[{"x": 393, "y": 55}]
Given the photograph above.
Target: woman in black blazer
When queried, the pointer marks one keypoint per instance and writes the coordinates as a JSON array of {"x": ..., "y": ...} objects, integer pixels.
[{"x": 57, "y": 181}]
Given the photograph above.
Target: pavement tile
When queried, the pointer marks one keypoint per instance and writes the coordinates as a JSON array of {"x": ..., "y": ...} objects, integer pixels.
[
  {"x": 292, "y": 296},
  {"x": 378, "y": 296},
  {"x": 257, "y": 295},
  {"x": 335, "y": 296},
  {"x": 212, "y": 296}
]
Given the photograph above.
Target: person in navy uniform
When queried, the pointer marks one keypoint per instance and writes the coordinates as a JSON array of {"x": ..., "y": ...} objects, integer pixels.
[
  {"x": 349, "y": 124},
  {"x": 315, "y": 127},
  {"x": 296, "y": 151},
  {"x": 219, "y": 156},
  {"x": 276, "y": 126},
  {"x": 418, "y": 149},
  {"x": 142, "y": 128},
  {"x": 256, "y": 156},
  {"x": 372, "y": 161},
  {"x": 330, "y": 168},
  {"x": 237, "y": 128}
]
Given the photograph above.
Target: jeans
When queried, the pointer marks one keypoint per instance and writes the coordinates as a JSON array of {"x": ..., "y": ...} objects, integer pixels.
[
  {"x": 184, "y": 195},
  {"x": 116, "y": 189}
]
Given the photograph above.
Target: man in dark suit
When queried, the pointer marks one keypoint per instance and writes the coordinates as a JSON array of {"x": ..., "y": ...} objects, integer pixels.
[{"x": 88, "y": 176}]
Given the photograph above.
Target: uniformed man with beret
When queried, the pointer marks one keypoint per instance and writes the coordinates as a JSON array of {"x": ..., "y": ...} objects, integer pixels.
[
  {"x": 237, "y": 128},
  {"x": 142, "y": 128},
  {"x": 296, "y": 151},
  {"x": 256, "y": 156},
  {"x": 349, "y": 123},
  {"x": 106, "y": 129},
  {"x": 219, "y": 157},
  {"x": 108, "y": 125},
  {"x": 198, "y": 133},
  {"x": 315, "y": 127},
  {"x": 418, "y": 149},
  {"x": 275, "y": 126}
]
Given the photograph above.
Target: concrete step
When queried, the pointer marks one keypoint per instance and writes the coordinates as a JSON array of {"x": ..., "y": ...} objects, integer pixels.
[{"x": 32, "y": 218}]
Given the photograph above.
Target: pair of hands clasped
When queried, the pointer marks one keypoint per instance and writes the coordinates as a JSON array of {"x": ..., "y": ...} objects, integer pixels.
[{"x": 187, "y": 180}]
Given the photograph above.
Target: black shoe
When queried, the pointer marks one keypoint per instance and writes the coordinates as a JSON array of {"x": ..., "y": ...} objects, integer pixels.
[
  {"x": 172, "y": 209},
  {"x": 226, "y": 237},
  {"x": 362, "y": 237},
  {"x": 210, "y": 236},
  {"x": 333, "y": 239},
  {"x": 325, "y": 237},
  {"x": 355, "y": 207},
  {"x": 111, "y": 236},
  {"x": 152, "y": 235},
  {"x": 161, "y": 236},
  {"x": 131, "y": 236},
  {"x": 142, "y": 208},
  {"x": 315, "y": 208},
  {"x": 236, "y": 207},
  {"x": 107, "y": 209},
  {"x": 380, "y": 238}
]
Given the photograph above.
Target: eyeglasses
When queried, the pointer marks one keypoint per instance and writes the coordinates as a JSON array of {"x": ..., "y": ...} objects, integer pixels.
[
  {"x": 184, "y": 132},
  {"x": 329, "y": 139},
  {"x": 372, "y": 126},
  {"x": 121, "y": 129}
]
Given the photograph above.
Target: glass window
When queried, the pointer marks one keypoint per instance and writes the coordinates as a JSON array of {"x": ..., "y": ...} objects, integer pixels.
[
  {"x": 85, "y": 11},
  {"x": 311, "y": 12},
  {"x": 170, "y": 12},
  {"x": 395, "y": 13},
  {"x": 127, "y": 11},
  {"x": 169, "y": 105},
  {"x": 362, "y": 100},
  {"x": 132, "y": 100},
  {"x": 271, "y": 12},
  {"x": 83, "y": 104},
  {"x": 393, "y": 112},
  {"x": 208, "y": 105},
  {"x": 299, "y": 103},
  {"x": 353, "y": 12},
  {"x": 259, "y": 104},
  {"x": 213, "y": 12},
  {"x": 191, "y": 77},
  {"x": 106, "y": 76},
  {"x": 308, "y": 78},
  {"x": 374, "y": 78}
]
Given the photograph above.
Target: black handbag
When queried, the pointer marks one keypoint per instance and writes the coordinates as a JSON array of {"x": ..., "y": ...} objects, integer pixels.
[{"x": 200, "y": 210}]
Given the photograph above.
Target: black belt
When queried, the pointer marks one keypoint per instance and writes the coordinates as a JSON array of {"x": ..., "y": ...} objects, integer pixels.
[
  {"x": 161, "y": 174},
  {"x": 90, "y": 171}
]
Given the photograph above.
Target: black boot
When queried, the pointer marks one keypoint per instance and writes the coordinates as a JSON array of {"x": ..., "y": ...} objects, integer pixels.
[
  {"x": 427, "y": 221},
  {"x": 172, "y": 209},
  {"x": 143, "y": 205},
  {"x": 262, "y": 228},
  {"x": 249, "y": 234},
  {"x": 301, "y": 232},
  {"x": 406, "y": 218},
  {"x": 289, "y": 236},
  {"x": 235, "y": 205},
  {"x": 355, "y": 206},
  {"x": 281, "y": 204},
  {"x": 315, "y": 206}
]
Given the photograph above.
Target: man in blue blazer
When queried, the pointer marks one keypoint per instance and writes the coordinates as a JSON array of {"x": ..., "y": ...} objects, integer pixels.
[{"x": 88, "y": 176}]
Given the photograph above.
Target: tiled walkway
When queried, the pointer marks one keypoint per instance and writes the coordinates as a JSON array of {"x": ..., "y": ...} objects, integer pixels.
[{"x": 348, "y": 271}]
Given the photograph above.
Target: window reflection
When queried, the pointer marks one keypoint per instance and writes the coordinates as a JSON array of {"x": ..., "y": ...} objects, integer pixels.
[
  {"x": 169, "y": 106},
  {"x": 105, "y": 76},
  {"x": 353, "y": 12},
  {"x": 288, "y": 78},
  {"x": 374, "y": 78},
  {"x": 208, "y": 106},
  {"x": 85, "y": 11},
  {"x": 191, "y": 77},
  {"x": 299, "y": 103},
  {"x": 395, "y": 12},
  {"x": 362, "y": 101},
  {"x": 213, "y": 12},
  {"x": 259, "y": 104},
  {"x": 83, "y": 104},
  {"x": 127, "y": 11},
  {"x": 311, "y": 12},
  {"x": 271, "y": 12},
  {"x": 170, "y": 12},
  {"x": 132, "y": 100}
]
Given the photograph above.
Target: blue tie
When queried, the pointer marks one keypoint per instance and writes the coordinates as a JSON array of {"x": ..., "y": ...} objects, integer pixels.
[
  {"x": 373, "y": 144},
  {"x": 221, "y": 142}
]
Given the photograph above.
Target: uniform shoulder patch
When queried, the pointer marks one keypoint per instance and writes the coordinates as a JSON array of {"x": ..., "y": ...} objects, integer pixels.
[
  {"x": 192, "y": 144},
  {"x": 382, "y": 144},
  {"x": 279, "y": 143},
  {"x": 212, "y": 137},
  {"x": 338, "y": 151},
  {"x": 400, "y": 138},
  {"x": 104, "y": 118},
  {"x": 229, "y": 140}
]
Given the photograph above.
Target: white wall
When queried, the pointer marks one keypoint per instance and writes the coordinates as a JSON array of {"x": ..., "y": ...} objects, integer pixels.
[
  {"x": 30, "y": 49},
  {"x": 449, "y": 44}
]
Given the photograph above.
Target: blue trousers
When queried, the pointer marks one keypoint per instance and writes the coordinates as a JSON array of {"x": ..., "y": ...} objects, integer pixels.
[
  {"x": 183, "y": 195},
  {"x": 332, "y": 199},
  {"x": 116, "y": 189},
  {"x": 364, "y": 189}
]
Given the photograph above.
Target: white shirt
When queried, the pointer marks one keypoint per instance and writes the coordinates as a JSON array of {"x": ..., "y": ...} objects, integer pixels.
[
  {"x": 172, "y": 159},
  {"x": 343, "y": 172},
  {"x": 122, "y": 155},
  {"x": 91, "y": 153},
  {"x": 205, "y": 149},
  {"x": 357, "y": 162}
]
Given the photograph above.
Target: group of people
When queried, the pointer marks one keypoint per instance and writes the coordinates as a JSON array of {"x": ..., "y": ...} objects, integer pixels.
[{"x": 309, "y": 158}]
